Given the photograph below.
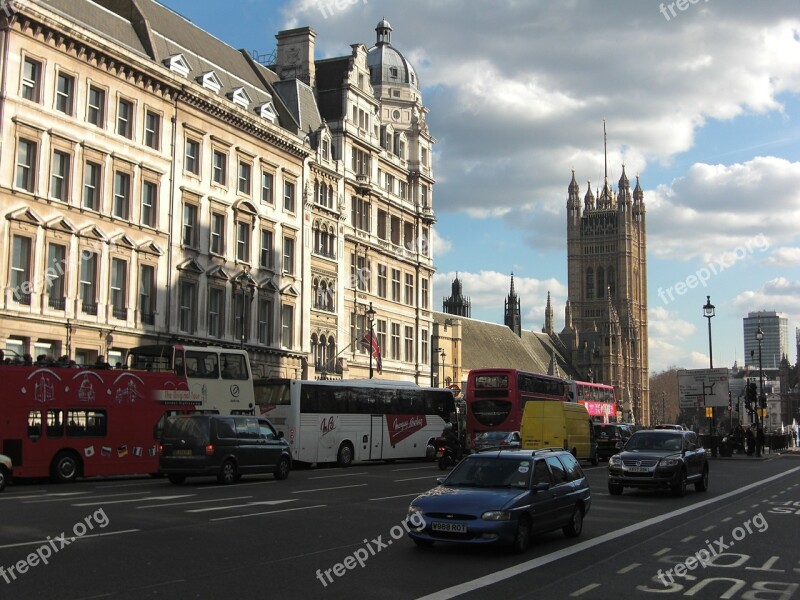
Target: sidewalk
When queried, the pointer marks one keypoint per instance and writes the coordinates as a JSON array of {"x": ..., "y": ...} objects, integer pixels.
[{"x": 765, "y": 454}]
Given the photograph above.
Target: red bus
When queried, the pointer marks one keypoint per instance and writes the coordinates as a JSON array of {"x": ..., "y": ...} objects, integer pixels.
[
  {"x": 598, "y": 398},
  {"x": 496, "y": 397},
  {"x": 65, "y": 423}
]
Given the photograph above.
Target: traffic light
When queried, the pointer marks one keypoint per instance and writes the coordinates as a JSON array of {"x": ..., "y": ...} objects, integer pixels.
[
  {"x": 751, "y": 398},
  {"x": 763, "y": 401}
]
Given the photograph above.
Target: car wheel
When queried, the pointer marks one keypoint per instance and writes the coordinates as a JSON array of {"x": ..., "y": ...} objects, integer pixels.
[
  {"x": 702, "y": 485},
  {"x": 65, "y": 467},
  {"x": 422, "y": 543},
  {"x": 679, "y": 488},
  {"x": 177, "y": 479},
  {"x": 227, "y": 473},
  {"x": 523, "y": 538},
  {"x": 575, "y": 524},
  {"x": 615, "y": 489},
  {"x": 3, "y": 478},
  {"x": 282, "y": 470},
  {"x": 345, "y": 456}
]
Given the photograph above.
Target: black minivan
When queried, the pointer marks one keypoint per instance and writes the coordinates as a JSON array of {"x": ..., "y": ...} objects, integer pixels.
[{"x": 227, "y": 446}]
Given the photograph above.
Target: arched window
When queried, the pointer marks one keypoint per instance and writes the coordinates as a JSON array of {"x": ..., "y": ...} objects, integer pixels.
[
  {"x": 314, "y": 349},
  {"x": 321, "y": 190},
  {"x": 612, "y": 281},
  {"x": 589, "y": 284},
  {"x": 601, "y": 283}
]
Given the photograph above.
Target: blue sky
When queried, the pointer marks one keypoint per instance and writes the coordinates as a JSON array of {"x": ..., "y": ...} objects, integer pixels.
[{"x": 703, "y": 105}]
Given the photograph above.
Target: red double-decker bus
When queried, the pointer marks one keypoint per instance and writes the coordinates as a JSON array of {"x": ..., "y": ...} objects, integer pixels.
[
  {"x": 598, "y": 398},
  {"x": 496, "y": 397},
  {"x": 65, "y": 423}
]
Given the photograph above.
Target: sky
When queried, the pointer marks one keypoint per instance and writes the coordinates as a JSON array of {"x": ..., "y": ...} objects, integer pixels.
[{"x": 701, "y": 100}]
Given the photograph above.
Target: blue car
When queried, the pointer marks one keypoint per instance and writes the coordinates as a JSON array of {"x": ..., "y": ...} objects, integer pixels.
[{"x": 503, "y": 497}]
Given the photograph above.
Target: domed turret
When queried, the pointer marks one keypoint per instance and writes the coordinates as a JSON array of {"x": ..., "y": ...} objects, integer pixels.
[{"x": 387, "y": 66}]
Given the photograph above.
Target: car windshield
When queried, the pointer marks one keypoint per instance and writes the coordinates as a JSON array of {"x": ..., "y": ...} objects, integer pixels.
[
  {"x": 491, "y": 437},
  {"x": 485, "y": 472},
  {"x": 652, "y": 441}
]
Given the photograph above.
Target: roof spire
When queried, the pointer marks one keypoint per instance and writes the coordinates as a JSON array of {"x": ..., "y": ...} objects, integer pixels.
[{"x": 605, "y": 151}]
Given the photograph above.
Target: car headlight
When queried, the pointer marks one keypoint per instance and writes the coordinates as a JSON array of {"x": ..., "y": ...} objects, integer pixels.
[
  {"x": 669, "y": 462},
  {"x": 496, "y": 515},
  {"x": 414, "y": 510},
  {"x": 614, "y": 461}
]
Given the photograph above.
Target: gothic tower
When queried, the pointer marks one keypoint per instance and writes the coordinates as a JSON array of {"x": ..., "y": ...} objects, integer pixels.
[
  {"x": 606, "y": 312},
  {"x": 457, "y": 303},
  {"x": 513, "y": 314}
]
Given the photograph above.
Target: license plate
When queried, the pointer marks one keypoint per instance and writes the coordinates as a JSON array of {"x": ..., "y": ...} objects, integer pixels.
[
  {"x": 638, "y": 469},
  {"x": 449, "y": 527},
  {"x": 439, "y": 454},
  {"x": 183, "y": 452}
]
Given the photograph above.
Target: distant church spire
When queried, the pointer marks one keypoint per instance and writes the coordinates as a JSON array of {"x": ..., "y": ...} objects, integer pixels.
[
  {"x": 457, "y": 303},
  {"x": 548, "y": 317},
  {"x": 513, "y": 312}
]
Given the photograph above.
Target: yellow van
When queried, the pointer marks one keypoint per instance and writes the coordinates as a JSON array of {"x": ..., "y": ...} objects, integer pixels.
[{"x": 554, "y": 424}]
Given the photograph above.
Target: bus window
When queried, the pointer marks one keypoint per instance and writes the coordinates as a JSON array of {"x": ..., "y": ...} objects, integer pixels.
[
  {"x": 86, "y": 423},
  {"x": 55, "y": 423},
  {"x": 202, "y": 365},
  {"x": 233, "y": 366},
  {"x": 34, "y": 423}
]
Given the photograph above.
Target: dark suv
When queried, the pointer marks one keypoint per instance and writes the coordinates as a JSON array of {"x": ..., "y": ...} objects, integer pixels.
[
  {"x": 659, "y": 459},
  {"x": 610, "y": 437},
  {"x": 226, "y": 446}
]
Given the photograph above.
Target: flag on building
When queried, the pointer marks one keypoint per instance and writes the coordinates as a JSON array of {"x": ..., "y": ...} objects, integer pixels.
[
  {"x": 370, "y": 342},
  {"x": 137, "y": 450},
  {"x": 88, "y": 451},
  {"x": 105, "y": 451},
  {"x": 122, "y": 451}
]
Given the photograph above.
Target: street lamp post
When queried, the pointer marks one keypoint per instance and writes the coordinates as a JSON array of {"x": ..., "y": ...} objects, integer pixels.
[
  {"x": 371, "y": 320},
  {"x": 443, "y": 355},
  {"x": 759, "y": 421},
  {"x": 435, "y": 365},
  {"x": 708, "y": 313}
]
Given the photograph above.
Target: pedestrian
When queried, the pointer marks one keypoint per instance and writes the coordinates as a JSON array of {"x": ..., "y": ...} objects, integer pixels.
[
  {"x": 751, "y": 441},
  {"x": 760, "y": 440}
]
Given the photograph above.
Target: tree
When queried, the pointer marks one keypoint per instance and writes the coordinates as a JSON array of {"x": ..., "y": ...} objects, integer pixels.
[{"x": 664, "y": 391}]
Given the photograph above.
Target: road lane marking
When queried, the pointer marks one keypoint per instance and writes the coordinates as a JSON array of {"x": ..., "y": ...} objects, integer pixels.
[
  {"x": 105, "y": 496},
  {"x": 399, "y": 496},
  {"x": 135, "y": 500},
  {"x": 530, "y": 565},
  {"x": 214, "y": 488},
  {"x": 412, "y": 479},
  {"x": 341, "y": 487},
  {"x": 245, "y": 505},
  {"x": 193, "y": 502},
  {"x": 345, "y": 475},
  {"x": 662, "y": 552},
  {"x": 688, "y": 538},
  {"x": 629, "y": 568},
  {"x": 269, "y": 512},
  {"x": 428, "y": 468},
  {"x": 585, "y": 589},
  {"x": 709, "y": 528},
  {"x": 726, "y": 519}
]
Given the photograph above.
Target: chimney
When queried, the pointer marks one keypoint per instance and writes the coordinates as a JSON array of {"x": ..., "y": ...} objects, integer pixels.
[{"x": 296, "y": 55}]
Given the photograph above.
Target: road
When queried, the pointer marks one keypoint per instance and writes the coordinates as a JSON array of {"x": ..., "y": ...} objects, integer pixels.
[{"x": 146, "y": 538}]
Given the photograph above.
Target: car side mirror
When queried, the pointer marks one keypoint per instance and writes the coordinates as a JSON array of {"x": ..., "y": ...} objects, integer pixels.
[
  {"x": 280, "y": 434},
  {"x": 619, "y": 445}
]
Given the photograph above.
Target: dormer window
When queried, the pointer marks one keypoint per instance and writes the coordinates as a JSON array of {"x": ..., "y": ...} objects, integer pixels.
[
  {"x": 240, "y": 96},
  {"x": 210, "y": 81},
  {"x": 267, "y": 111},
  {"x": 177, "y": 63}
]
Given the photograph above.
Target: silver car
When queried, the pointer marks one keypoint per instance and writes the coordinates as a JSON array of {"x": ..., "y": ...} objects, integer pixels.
[{"x": 6, "y": 470}]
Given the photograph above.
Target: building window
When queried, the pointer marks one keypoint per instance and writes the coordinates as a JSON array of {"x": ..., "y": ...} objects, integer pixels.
[
  {"x": 217, "y": 233},
  {"x": 425, "y": 242},
  {"x": 424, "y": 339},
  {"x": 26, "y": 165},
  {"x": 149, "y": 203},
  {"x": 243, "y": 241},
  {"x": 589, "y": 284},
  {"x": 59, "y": 176},
  {"x": 244, "y": 178},
  {"x": 325, "y": 149},
  {"x": 288, "y": 255},
  {"x": 395, "y": 231},
  {"x": 288, "y": 196},
  {"x": 403, "y": 190},
  {"x": 95, "y": 112},
  {"x": 31, "y": 79},
  {"x": 119, "y": 288},
  {"x": 390, "y": 183},
  {"x": 287, "y": 325},
  {"x": 187, "y": 306},
  {"x": 152, "y": 129},
  {"x": 56, "y": 266},
  {"x": 219, "y": 164},
  {"x": 395, "y": 341},
  {"x": 360, "y": 214},
  {"x": 122, "y": 192},
  {"x": 424, "y": 158},
  {"x": 360, "y": 275},
  {"x": 265, "y": 256},
  {"x": 21, "y": 285},
  {"x": 264, "y": 321},
  {"x": 125, "y": 118},
  {"x": 65, "y": 93},
  {"x": 424, "y": 284},
  {"x": 91, "y": 186},
  {"x": 88, "y": 282},
  {"x": 396, "y": 285},
  {"x": 382, "y": 271},
  {"x": 147, "y": 298},
  {"x": 192, "y": 157},
  {"x": 266, "y": 187},
  {"x": 409, "y": 289},
  {"x": 408, "y": 237},
  {"x": 360, "y": 164},
  {"x": 189, "y": 237},
  {"x": 409, "y": 344},
  {"x": 381, "y": 327},
  {"x": 216, "y": 311},
  {"x": 382, "y": 218}
]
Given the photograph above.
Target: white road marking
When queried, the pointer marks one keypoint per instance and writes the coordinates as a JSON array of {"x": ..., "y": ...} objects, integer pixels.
[
  {"x": 193, "y": 502},
  {"x": 414, "y": 479},
  {"x": 341, "y": 487},
  {"x": 662, "y": 552},
  {"x": 83, "y": 537},
  {"x": 629, "y": 568},
  {"x": 135, "y": 500},
  {"x": 400, "y": 496},
  {"x": 585, "y": 589},
  {"x": 345, "y": 475},
  {"x": 269, "y": 512},
  {"x": 104, "y": 496},
  {"x": 428, "y": 468},
  {"x": 688, "y": 538},
  {"x": 245, "y": 505}
]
